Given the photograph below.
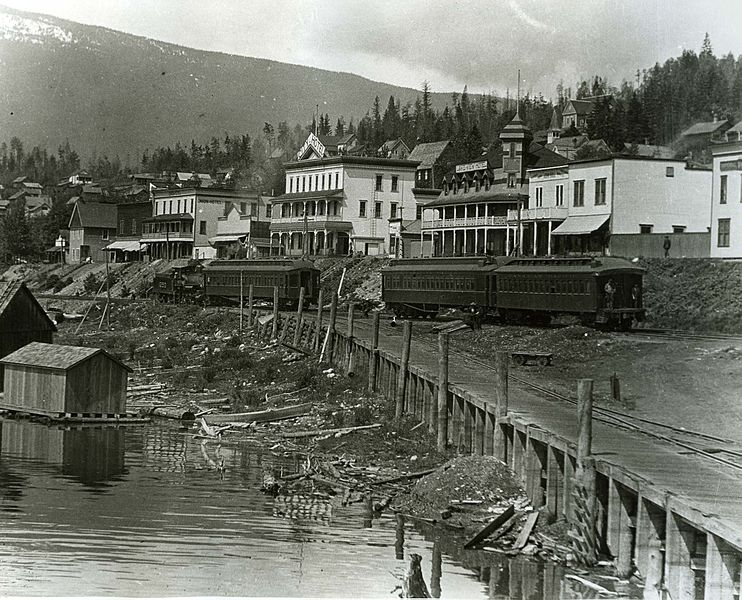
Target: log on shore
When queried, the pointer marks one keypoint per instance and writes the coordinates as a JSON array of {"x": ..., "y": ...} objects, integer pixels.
[
  {"x": 491, "y": 527},
  {"x": 262, "y": 416},
  {"x": 341, "y": 430},
  {"x": 172, "y": 412}
]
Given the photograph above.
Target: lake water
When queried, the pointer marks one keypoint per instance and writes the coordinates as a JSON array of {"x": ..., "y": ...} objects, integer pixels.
[{"x": 142, "y": 511}]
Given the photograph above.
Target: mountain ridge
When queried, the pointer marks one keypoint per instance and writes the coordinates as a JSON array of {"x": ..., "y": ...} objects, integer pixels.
[{"x": 115, "y": 93}]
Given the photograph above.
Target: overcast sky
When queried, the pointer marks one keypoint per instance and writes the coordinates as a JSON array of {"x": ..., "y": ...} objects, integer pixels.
[{"x": 449, "y": 43}]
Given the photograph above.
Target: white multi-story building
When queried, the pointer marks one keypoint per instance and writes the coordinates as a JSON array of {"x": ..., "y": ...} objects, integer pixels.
[
  {"x": 624, "y": 206},
  {"x": 726, "y": 201},
  {"x": 340, "y": 204}
]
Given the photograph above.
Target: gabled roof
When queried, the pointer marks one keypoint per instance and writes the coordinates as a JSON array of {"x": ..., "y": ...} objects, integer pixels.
[
  {"x": 32, "y": 185},
  {"x": 556, "y": 120},
  {"x": 579, "y": 107},
  {"x": 736, "y": 129},
  {"x": 55, "y": 356},
  {"x": 705, "y": 128},
  {"x": 428, "y": 153},
  {"x": 19, "y": 179},
  {"x": 336, "y": 140},
  {"x": 569, "y": 141},
  {"x": 95, "y": 214},
  {"x": 649, "y": 150},
  {"x": 9, "y": 290}
]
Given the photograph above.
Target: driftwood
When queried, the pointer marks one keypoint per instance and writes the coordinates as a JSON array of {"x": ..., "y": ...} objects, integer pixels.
[
  {"x": 171, "y": 412},
  {"x": 296, "y": 348},
  {"x": 403, "y": 477},
  {"x": 340, "y": 430},
  {"x": 414, "y": 585},
  {"x": 263, "y": 416},
  {"x": 589, "y": 584},
  {"x": 526, "y": 531},
  {"x": 491, "y": 527}
]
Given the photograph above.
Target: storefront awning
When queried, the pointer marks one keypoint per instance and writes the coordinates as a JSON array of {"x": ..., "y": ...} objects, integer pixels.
[
  {"x": 125, "y": 246},
  {"x": 227, "y": 238},
  {"x": 581, "y": 224}
]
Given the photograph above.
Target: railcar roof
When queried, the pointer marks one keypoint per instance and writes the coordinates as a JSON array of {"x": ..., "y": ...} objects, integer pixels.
[
  {"x": 259, "y": 265},
  {"x": 599, "y": 266},
  {"x": 447, "y": 264}
]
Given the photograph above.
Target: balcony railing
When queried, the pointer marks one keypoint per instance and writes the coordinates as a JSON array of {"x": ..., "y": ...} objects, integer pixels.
[
  {"x": 543, "y": 213},
  {"x": 492, "y": 221},
  {"x": 173, "y": 236},
  {"x": 312, "y": 219}
]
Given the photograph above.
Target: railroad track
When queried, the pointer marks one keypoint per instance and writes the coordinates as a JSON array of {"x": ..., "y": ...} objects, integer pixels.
[
  {"x": 693, "y": 442},
  {"x": 677, "y": 334}
]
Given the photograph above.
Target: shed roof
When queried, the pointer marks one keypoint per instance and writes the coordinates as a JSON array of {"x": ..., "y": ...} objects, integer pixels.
[
  {"x": 428, "y": 153},
  {"x": 55, "y": 356},
  {"x": 95, "y": 214},
  {"x": 705, "y": 128},
  {"x": 9, "y": 290}
]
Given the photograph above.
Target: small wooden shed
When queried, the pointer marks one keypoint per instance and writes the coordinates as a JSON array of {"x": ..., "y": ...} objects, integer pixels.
[
  {"x": 65, "y": 381},
  {"x": 22, "y": 319}
]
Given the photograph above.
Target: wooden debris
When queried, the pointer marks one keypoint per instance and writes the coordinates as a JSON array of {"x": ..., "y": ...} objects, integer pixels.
[
  {"x": 171, "y": 412},
  {"x": 526, "y": 531},
  {"x": 491, "y": 527},
  {"x": 336, "y": 431},
  {"x": 296, "y": 348},
  {"x": 404, "y": 477},
  {"x": 589, "y": 584},
  {"x": 263, "y": 416}
]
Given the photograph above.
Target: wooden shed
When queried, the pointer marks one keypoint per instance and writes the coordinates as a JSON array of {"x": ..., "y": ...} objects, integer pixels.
[
  {"x": 65, "y": 381},
  {"x": 22, "y": 319}
]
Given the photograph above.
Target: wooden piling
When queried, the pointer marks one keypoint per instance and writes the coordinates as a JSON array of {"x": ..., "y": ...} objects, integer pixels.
[
  {"x": 554, "y": 482},
  {"x": 403, "y": 366},
  {"x": 331, "y": 328},
  {"x": 584, "y": 540},
  {"x": 250, "y": 305},
  {"x": 443, "y": 339},
  {"x": 373, "y": 357},
  {"x": 318, "y": 332},
  {"x": 299, "y": 316},
  {"x": 722, "y": 565},
  {"x": 620, "y": 536},
  {"x": 501, "y": 403},
  {"x": 679, "y": 545},
  {"x": 274, "y": 331}
]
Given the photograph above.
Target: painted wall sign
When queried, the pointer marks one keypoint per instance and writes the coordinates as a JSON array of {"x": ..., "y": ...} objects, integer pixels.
[
  {"x": 313, "y": 143},
  {"x": 475, "y": 166}
]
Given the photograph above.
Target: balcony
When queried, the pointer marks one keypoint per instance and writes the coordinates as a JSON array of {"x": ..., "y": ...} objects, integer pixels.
[
  {"x": 310, "y": 219},
  {"x": 166, "y": 236},
  {"x": 544, "y": 213},
  {"x": 464, "y": 222}
]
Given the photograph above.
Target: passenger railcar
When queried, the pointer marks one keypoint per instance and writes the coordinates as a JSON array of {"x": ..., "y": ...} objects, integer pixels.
[
  {"x": 603, "y": 291},
  {"x": 422, "y": 287},
  {"x": 221, "y": 280}
]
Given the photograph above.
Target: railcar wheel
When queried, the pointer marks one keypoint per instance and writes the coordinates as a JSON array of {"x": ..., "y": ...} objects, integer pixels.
[
  {"x": 544, "y": 361},
  {"x": 519, "y": 359}
]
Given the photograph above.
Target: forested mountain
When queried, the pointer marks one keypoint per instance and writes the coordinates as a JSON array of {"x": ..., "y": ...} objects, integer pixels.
[{"x": 111, "y": 93}]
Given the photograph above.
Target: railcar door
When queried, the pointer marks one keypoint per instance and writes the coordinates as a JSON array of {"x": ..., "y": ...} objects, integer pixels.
[{"x": 307, "y": 283}]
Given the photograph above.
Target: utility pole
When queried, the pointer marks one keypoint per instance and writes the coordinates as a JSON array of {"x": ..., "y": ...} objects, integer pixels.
[{"x": 304, "y": 248}]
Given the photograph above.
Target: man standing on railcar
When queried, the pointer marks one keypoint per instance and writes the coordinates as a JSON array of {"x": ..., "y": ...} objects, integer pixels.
[{"x": 666, "y": 246}]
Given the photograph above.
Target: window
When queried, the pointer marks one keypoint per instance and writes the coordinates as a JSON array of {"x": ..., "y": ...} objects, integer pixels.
[
  {"x": 645, "y": 228},
  {"x": 512, "y": 150},
  {"x": 393, "y": 213},
  {"x": 243, "y": 207},
  {"x": 723, "y": 190},
  {"x": 362, "y": 208},
  {"x": 191, "y": 205},
  {"x": 669, "y": 171},
  {"x": 378, "y": 182},
  {"x": 579, "y": 193},
  {"x": 104, "y": 234},
  {"x": 122, "y": 225},
  {"x": 395, "y": 183},
  {"x": 539, "y": 196},
  {"x": 560, "y": 195},
  {"x": 170, "y": 210},
  {"x": 377, "y": 210},
  {"x": 133, "y": 226},
  {"x": 337, "y": 181},
  {"x": 511, "y": 180},
  {"x": 419, "y": 212},
  {"x": 599, "y": 192},
  {"x": 304, "y": 183},
  {"x": 268, "y": 209},
  {"x": 202, "y": 227},
  {"x": 323, "y": 181},
  {"x": 253, "y": 209},
  {"x": 723, "y": 238},
  {"x": 678, "y": 228},
  {"x": 316, "y": 182}
]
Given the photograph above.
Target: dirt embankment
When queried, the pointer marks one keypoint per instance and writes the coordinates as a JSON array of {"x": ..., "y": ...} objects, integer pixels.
[{"x": 693, "y": 294}]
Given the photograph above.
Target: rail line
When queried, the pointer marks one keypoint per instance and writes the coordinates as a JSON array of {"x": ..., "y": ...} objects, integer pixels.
[
  {"x": 612, "y": 417},
  {"x": 678, "y": 334}
]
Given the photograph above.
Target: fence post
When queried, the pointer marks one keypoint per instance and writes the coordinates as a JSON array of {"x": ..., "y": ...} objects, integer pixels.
[
  {"x": 501, "y": 403},
  {"x": 403, "y": 365},
  {"x": 299, "y": 314},
  {"x": 584, "y": 534},
  {"x": 250, "y": 305},
  {"x": 442, "y": 391},
  {"x": 274, "y": 331},
  {"x": 349, "y": 339},
  {"x": 373, "y": 357},
  {"x": 318, "y": 332},
  {"x": 331, "y": 328}
]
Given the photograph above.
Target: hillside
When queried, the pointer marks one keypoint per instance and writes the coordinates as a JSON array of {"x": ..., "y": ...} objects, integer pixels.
[{"x": 114, "y": 93}]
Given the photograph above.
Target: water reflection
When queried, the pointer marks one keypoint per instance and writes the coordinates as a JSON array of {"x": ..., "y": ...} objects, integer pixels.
[{"x": 183, "y": 517}]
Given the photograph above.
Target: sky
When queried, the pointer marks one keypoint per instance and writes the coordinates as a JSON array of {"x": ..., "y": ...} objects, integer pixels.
[{"x": 449, "y": 43}]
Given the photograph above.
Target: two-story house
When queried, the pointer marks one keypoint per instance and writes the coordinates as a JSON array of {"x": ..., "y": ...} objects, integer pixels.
[
  {"x": 183, "y": 220},
  {"x": 340, "y": 204},
  {"x": 726, "y": 200},
  {"x": 242, "y": 232},
  {"x": 92, "y": 227}
]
